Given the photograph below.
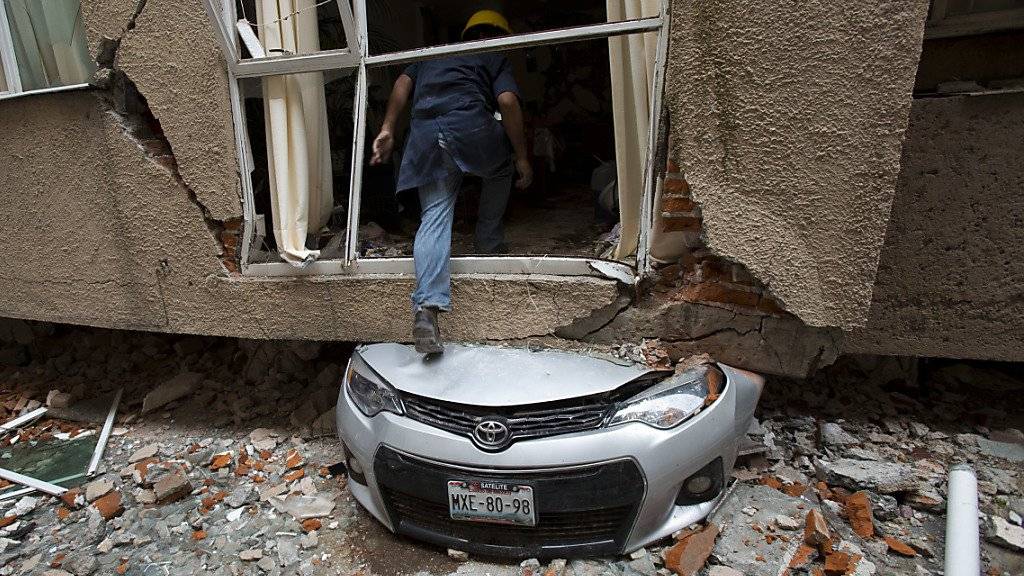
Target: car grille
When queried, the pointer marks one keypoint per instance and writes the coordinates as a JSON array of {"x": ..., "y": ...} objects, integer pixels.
[
  {"x": 564, "y": 527},
  {"x": 580, "y": 511},
  {"x": 523, "y": 422}
]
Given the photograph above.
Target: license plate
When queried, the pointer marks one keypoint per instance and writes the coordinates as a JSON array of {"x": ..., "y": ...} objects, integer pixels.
[{"x": 495, "y": 502}]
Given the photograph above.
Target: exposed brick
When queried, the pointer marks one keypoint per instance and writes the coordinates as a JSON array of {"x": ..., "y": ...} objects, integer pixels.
[
  {"x": 677, "y": 204},
  {"x": 680, "y": 224},
  {"x": 677, "y": 186},
  {"x": 718, "y": 292}
]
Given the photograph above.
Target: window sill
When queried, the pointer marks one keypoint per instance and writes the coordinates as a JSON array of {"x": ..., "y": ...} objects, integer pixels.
[
  {"x": 54, "y": 89},
  {"x": 492, "y": 265}
]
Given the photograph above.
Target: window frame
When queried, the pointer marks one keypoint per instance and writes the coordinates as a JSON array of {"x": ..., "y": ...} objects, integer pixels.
[
  {"x": 939, "y": 25},
  {"x": 357, "y": 58},
  {"x": 9, "y": 63}
]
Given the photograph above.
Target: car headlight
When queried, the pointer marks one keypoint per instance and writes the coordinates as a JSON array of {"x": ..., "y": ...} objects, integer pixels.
[
  {"x": 672, "y": 401},
  {"x": 369, "y": 393}
]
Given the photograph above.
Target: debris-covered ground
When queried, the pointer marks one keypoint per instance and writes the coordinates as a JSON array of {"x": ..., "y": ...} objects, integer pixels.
[{"x": 223, "y": 461}]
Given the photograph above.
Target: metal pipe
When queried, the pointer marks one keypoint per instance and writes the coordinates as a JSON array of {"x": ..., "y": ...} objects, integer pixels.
[
  {"x": 23, "y": 419},
  {"x": 963, "y": 548},
  {"x": 101, "y": 443}
]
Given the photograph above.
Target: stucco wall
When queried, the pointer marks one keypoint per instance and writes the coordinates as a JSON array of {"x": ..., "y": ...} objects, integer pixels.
[
  {"x": 787, "y": 120},
  {"x": 99, "y": 235},
  {"x": 98, "y": 232},
  {"x": 951, "y": 278}
]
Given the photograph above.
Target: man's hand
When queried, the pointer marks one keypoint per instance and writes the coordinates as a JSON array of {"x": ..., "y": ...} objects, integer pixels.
[
  {"x": 382, "y": 147},
  {"x": 525, "y": 173}
]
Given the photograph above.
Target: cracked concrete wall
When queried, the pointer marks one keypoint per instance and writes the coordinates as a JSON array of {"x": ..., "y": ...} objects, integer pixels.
[
  {"x": 105, "y": 228},
  {"x": 787, "y": 120},
  {"x": 101, "y": 235},
  {"x": 951, "y": 279}
]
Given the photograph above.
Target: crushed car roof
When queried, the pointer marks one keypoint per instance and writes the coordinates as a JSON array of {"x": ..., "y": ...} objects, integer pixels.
[{"x": 484, "y": 375}]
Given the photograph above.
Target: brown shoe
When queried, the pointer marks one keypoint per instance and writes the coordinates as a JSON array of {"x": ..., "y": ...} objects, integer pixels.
[{"x": 425, "y": 332}]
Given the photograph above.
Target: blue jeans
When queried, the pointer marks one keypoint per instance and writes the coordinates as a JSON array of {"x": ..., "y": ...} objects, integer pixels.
[{"x": 433, "y": 247}]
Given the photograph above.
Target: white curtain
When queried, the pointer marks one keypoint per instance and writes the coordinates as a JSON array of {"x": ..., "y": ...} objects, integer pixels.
[
  {"x": 632, "y": 70},
  {"x": 49, "y": 42},
  {"x": 298, "y": 148}
]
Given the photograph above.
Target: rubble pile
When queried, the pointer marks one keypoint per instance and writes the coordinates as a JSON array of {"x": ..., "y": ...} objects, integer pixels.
[{"x": 222, "y": 460}]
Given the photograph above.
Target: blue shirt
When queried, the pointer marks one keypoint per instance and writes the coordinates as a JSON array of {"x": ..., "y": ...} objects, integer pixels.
[{"x": 453, "y": 102}]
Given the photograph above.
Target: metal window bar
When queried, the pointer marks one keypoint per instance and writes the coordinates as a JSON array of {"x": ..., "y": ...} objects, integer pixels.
[
  {"x": 352, "y": 57},
  {"x": 651, "y": 172}
]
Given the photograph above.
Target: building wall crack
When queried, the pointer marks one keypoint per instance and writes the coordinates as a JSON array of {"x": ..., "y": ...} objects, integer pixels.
[{"x": 122, "y": 100}]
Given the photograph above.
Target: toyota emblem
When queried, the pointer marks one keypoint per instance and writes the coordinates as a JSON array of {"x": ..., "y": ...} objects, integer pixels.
[{"x": 492, "y": 434}]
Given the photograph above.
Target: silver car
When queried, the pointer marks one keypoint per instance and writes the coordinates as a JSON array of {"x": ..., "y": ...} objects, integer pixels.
[{"x": 516, "y": 452}]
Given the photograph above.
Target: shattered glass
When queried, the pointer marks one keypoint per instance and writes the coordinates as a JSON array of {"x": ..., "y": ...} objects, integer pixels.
[{"x": 60, "y": 462}]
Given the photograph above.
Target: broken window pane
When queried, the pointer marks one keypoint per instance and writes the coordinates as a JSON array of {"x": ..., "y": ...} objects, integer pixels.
[
  {"x": 50, "y": 458},
  {"x": 287, "y": 27},
  {"x": 396, "y": 25},
  {"x": 570, "y": 209},
  {"x": 49, "y": 43},
  {"x": 299, "y": 129}
]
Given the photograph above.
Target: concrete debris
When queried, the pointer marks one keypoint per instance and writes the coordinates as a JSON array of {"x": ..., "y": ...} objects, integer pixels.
[
  {"x": 884, "y": 477},
  {"x": 1009, "y": 451},
  {"x": 1003, "y": 533},
  {"x": 832, "y": 435},
  {"x": 178, "y": 387},
  {"x": 143, "y": 453},
  {"x": 171, "y": 487},
  {"x": 230, "y": 478},
  {"x": 97, "y": 488},
  {"x": 458, "y": 555}
]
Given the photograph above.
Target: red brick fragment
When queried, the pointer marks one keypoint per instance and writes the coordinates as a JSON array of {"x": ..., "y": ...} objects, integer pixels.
[
  {"x": 311, "y": 525},
  {"x": 858, "y": 512},
  {"x": 7, "y": 520},
  {"x": 802, "y": 556},
  {"x": 293, "y": 460},
  {"x": 689, "y": 554},
  {"x": 817, "y": 533},
  {"x": 900, "y": 547},
  {"x": 70, "y": 498},
  {"x": 220, "y": 461},
  {"x": 199, "y": 535},
  {"x": 109, "y": 506},
  {"x": 294, "y": 475},
  {"x": 838, "y": 564}
]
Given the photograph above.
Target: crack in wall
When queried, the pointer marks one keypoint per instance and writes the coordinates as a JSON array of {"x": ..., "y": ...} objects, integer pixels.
[{"x": 123, "y": 101}]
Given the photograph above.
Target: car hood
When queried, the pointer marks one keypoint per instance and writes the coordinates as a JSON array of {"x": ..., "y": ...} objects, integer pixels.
[{"x": 483, "y": 375}]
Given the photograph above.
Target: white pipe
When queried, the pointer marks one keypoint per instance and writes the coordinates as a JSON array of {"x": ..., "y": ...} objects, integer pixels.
[{"x": 963, "y": 548}]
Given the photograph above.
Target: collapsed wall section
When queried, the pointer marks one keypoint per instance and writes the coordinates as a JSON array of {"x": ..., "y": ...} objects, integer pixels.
[{"x": 788, "y": 120}]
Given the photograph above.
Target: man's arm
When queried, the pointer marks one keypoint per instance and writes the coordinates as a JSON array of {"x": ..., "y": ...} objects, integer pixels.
[
  {"x": 512, "y": 120},
  {"x": 385, "y": 141}
]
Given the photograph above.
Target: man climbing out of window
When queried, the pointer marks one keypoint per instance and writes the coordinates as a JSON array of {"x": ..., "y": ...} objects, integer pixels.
[{"x": 453, "y": 131}]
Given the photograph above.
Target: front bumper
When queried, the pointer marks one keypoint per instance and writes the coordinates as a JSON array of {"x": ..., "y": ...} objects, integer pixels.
[{"x": 604, "y": 491}]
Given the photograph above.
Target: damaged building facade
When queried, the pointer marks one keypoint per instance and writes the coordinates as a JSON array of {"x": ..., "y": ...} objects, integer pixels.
[{"x": 823, "y": 179}]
